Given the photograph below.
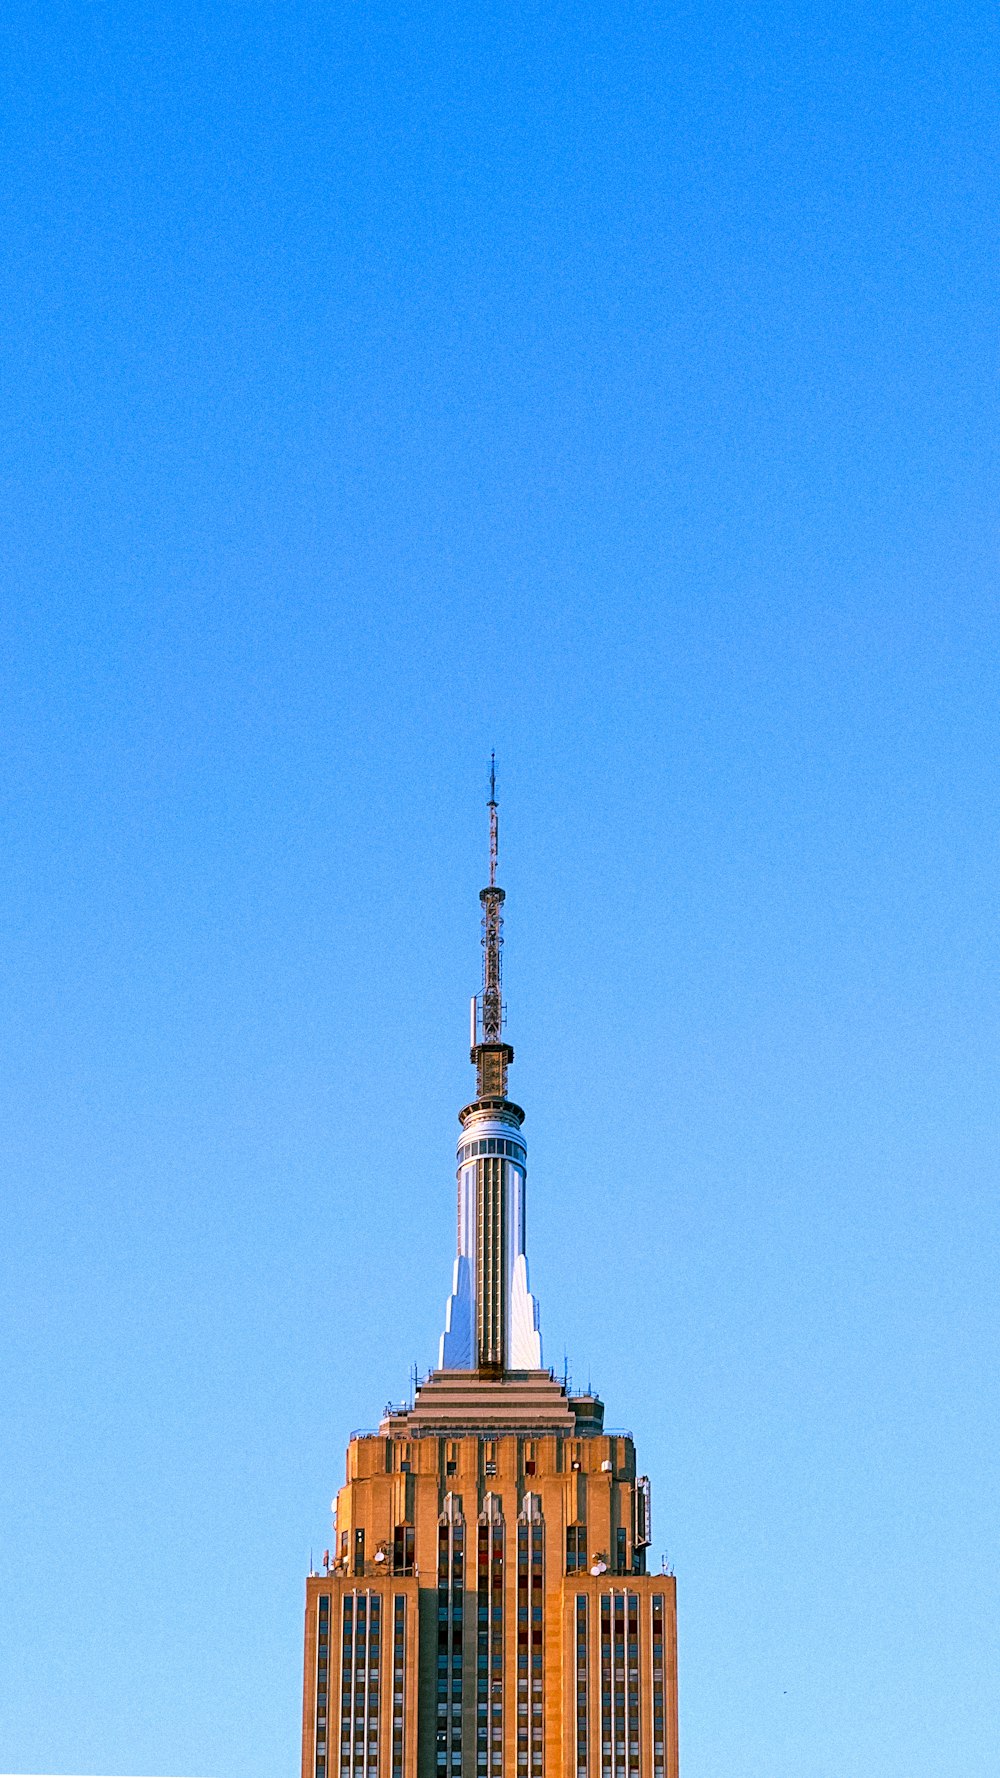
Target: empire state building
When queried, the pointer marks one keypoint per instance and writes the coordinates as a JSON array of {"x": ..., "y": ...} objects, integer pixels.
[{"x": 485, "y": 1611}]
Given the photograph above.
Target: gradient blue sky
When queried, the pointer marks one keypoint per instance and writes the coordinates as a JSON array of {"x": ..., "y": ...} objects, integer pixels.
[{"x": 615, "y": 385}]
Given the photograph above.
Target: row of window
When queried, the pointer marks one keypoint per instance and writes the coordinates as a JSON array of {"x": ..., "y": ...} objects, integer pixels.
[
  {"x": 619, "y": 1667},
  {"x": 359, "y": 1686},
  {"x": 619, "y": 1646},
  {"x": 403, "y": 1544},
  {"x": 322, "y": 1682},
  {"x": 582, "y": 1687},
  {"x": 530, "y": 1565},
  {"x": 451, "y": 1597},
  {"x": 489, "y": 1643},
  {"x": 470, "y": 1151},
  {"x": 658, "y": 1686},
  {"x": 398, "y": 1683},
  {"x": 578, "y": 1560}
]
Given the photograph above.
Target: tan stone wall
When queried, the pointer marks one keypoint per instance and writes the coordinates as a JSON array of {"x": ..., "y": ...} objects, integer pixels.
[{"x": 393, "y": 1480}]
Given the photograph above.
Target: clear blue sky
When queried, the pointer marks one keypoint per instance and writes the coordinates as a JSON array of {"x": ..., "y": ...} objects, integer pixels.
[{"x": 615, "y": 385}]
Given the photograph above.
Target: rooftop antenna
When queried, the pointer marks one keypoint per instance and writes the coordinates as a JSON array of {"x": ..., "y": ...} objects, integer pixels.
[
  {"x": 493, "y": 820},
  {"x": 492, "y": 900}
]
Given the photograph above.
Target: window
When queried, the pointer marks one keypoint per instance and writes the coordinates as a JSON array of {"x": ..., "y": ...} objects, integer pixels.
[
  {"x": 470, "y": 1151},
  {"x": 643, "y": 1513},
  {"x": 621, "y": 1550},
  {"x": 576, "y": 1549},
  {"x": 402, "y": 1549}
]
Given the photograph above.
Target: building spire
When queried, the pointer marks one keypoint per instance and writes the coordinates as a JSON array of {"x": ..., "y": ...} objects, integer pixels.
[
  {"x": 492, "y": 900},
  {"x": 492, "y": 806},
  {"x": 491, "y": 1323},
  {"x": 490, "y": 1053}
]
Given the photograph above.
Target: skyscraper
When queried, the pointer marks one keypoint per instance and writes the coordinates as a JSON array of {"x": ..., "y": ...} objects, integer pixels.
[{"x": 485, "y": 1611}]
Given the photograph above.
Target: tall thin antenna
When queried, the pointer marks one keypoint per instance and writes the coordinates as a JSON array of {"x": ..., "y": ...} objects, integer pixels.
[
  {"x": 493, "y": 820},
  {"x": 492, "y": 901}
]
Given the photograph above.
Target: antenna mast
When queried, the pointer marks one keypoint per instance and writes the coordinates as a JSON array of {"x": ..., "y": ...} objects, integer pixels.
[
  {"x": 492, "y": 900},
  {"x": 490, "y": 1053},
  {"x": 492, "y": 805}
]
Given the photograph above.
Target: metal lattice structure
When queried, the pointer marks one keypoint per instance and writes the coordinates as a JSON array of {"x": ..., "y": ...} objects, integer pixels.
[{"x": 492, "y": 900}]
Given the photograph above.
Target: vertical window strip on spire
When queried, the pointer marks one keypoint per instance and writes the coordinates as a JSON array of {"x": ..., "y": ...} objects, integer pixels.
[{"x": 491, "y": 1225}]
